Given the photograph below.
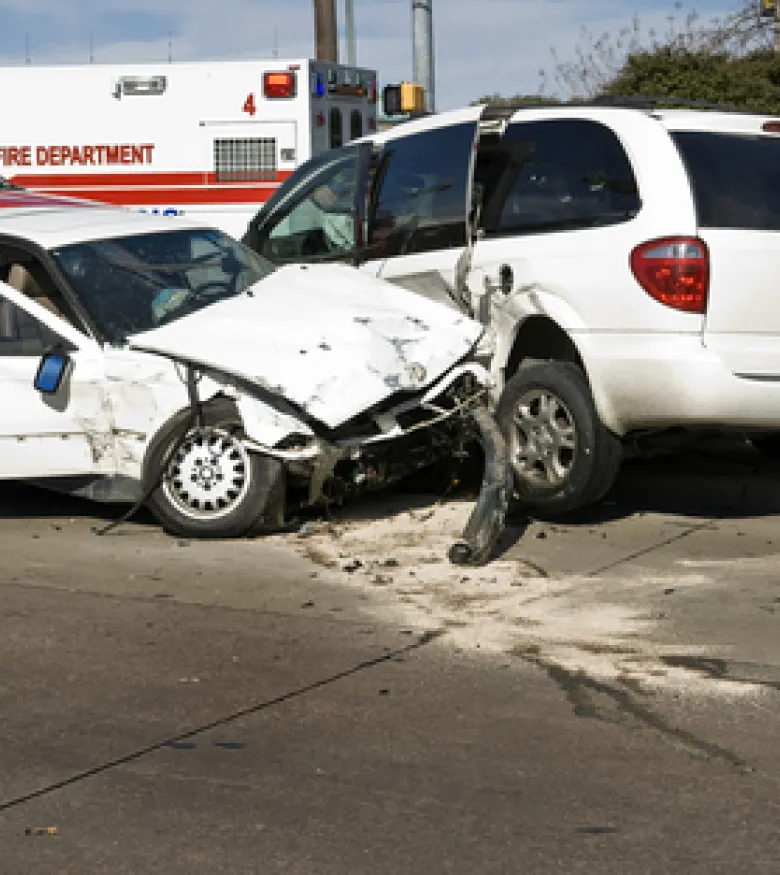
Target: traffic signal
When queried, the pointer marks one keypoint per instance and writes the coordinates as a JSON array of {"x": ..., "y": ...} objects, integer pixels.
[
  {"x": 391, "y": 100},
  {"x": 403, "y": 98},
  {"x": 768, "y": 8}
]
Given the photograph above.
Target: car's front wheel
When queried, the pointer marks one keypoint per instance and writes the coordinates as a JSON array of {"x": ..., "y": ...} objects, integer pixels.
[
  {"x": 212, "y": 485},
  {"x": 562, "y": 457}
]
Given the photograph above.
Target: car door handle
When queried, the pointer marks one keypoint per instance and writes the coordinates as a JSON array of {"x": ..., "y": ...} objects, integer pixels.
[
  {"x": 502, "y": 282},
  {"x": 506, "y": 279}
]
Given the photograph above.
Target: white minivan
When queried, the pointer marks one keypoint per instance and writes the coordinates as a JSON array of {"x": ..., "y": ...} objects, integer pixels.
[{"x": 622, "y": 259}]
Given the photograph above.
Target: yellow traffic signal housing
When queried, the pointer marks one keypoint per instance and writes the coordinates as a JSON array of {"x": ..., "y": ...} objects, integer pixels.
[
  {"x": 769, "y": 8},
  {"x": 403, "y": 98},
  {"x": 412, "y": 97}
]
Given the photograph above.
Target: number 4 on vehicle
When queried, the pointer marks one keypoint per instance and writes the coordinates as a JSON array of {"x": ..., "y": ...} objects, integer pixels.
[{"x": 249, "y": 105}]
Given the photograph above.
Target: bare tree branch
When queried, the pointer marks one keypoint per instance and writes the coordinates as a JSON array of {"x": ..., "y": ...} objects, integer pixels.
[{"x": 598, "y": 59}]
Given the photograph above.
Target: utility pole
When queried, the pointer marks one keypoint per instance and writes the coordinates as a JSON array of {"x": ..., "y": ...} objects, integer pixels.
[
  {"x": 423, "y": 55},
  {"x": 326, "y": 31},
  {"x": 349, "y": 17}
]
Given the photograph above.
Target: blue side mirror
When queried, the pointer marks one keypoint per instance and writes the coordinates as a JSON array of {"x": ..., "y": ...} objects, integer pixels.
[{"x": 51, "y": 371}]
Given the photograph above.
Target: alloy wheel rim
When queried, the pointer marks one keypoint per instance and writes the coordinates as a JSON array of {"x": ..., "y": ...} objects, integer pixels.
[
  {"x": 543, "y": 442},
  {"x": 209, "y": 474}
]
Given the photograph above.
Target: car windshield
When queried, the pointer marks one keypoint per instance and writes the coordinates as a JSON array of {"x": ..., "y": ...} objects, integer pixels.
[{"x": 133, "y": 284}]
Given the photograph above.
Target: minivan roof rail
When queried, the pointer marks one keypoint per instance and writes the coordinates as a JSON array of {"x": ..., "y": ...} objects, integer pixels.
[
  {"x": 641, "y": 102},
  {"x": 653, "y": 101}
]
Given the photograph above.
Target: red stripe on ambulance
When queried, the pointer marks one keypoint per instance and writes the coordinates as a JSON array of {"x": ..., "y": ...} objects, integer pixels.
[
  {"x": 166, "y": 179},
  {"x": 145, "y": 197}
]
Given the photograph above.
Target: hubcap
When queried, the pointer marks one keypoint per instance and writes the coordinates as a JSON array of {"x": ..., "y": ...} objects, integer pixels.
[
  {"x": 543, "y": 442},
  {"x": 209, "y": 474}
]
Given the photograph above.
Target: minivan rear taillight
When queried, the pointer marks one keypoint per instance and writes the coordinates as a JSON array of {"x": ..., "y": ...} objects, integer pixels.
[{"x": 674, "y": 271}]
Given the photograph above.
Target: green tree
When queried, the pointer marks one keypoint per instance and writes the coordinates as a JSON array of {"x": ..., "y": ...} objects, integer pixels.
[
  {"x": 750, "y": 81},
  {"x": 598, "y": 59},
  {"x": 727, "y": 61}
]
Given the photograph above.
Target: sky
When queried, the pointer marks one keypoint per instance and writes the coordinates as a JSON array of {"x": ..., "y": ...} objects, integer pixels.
[{"x": 481, "y": 46}]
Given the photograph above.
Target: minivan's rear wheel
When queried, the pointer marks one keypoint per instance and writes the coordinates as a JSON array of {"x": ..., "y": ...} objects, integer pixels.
[
  {"x": 212, "y": 485},
  {"x": 562, "y": 457}
]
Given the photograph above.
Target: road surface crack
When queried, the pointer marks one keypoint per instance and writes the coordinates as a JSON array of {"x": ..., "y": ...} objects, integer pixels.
[
  {"x": 609, "y": 566},
  {"x": 297, "y": 693}
]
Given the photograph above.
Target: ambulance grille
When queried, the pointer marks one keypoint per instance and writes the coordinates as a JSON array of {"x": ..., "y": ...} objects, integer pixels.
[{"x": 245, "y": 160}]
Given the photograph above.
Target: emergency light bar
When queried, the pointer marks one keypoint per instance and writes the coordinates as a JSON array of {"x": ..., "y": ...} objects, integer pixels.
[
  {"x": 134, "y": 85},
  {"x": 279, "y": 85}
]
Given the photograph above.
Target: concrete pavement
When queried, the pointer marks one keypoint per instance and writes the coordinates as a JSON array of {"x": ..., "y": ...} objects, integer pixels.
[{"x": 184, "y": 707}]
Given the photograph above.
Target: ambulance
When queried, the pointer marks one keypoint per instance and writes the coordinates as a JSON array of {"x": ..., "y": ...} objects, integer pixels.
[{"x": 210, "y": 140}]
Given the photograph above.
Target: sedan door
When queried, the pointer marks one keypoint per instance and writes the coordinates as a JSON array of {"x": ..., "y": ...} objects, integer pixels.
[{"x": 67, "y": 433}]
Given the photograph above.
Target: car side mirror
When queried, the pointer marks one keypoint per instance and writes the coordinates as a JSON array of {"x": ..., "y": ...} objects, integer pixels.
[{"x": 51, "y": 371}]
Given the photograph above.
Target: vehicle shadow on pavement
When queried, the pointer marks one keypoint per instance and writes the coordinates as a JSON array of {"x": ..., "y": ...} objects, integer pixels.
[
  {"x": 720, "y": 479},
  {"x": 20, "y": 501}
]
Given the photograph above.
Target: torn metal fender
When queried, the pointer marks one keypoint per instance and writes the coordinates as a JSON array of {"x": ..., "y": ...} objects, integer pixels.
[
  {"x": 486, "y": 523},
  {"x": 266, "y": 426}
]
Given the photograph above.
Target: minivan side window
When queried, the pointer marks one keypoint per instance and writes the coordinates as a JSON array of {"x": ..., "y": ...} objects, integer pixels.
[
  {"x": 419, "y": 204},
  {"x": 316, "y": 218},
  {"x": 735, "y": 178},
  {"x": 575, "y": 174}
]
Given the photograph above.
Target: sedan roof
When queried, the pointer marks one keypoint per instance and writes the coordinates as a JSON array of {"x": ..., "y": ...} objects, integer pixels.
[{"x": 51, "y": 221}]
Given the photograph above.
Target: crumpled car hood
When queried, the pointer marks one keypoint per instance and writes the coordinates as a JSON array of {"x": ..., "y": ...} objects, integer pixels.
[{"x": 332, "y": 340}]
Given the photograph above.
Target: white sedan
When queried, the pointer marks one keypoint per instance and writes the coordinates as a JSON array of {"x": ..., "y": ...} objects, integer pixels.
[{"x": 146, "y": 359}]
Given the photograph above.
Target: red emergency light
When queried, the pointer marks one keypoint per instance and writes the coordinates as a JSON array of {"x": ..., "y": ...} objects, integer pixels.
[{"x": 279, "y": 84}]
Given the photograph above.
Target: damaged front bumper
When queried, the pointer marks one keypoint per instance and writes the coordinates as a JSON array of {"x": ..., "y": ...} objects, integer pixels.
[{"x": 392, "y": 443}]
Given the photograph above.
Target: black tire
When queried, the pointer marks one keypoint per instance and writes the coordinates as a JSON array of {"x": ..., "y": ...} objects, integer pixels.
[
  {"x": 252, "y": 500},
  {"x": 586, "y": 471}
]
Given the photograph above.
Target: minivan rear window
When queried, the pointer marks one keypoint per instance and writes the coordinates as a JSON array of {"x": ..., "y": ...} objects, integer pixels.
[{"x": 735, "y": 177}]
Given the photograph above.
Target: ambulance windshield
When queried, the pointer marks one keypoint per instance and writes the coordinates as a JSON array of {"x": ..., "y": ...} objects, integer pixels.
[{"x": 133, "y": 284}]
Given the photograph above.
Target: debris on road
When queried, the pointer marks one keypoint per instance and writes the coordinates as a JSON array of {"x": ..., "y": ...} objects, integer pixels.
[
  {"x": 41, "y": 831},
  {"x": 608, "y": 628},
  {"x": 351, "y": 566}
]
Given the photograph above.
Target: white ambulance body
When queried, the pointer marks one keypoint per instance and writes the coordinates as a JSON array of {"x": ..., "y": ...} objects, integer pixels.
[{"x": 210, "y": 140}]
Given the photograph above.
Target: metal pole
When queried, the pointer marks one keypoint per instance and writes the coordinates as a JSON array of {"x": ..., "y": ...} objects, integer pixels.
[
  {"x": 349, "y": 18},
  {"x": 423, "y": 55},
  {"x": 325, "y": 30}
]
